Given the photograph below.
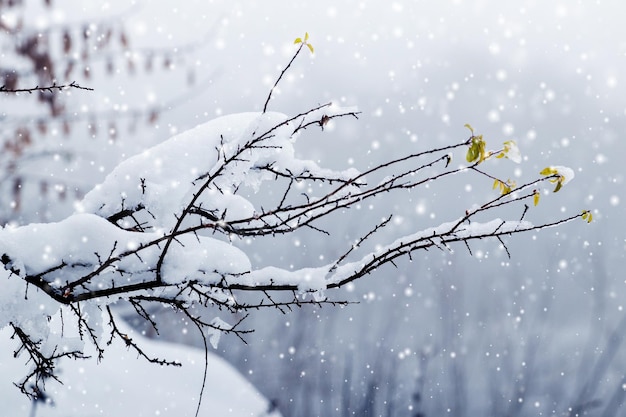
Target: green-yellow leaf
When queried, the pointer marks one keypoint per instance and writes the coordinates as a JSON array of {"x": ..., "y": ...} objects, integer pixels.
[
  {"x": 471, "y": 129},
  {"x": 310, "y": 47},
  {"x": 298, "y": 40},
  {"x": 510, "y": 185},
  {"x": 477, "y": 148},
  {"x": 482, "y": 153},
  {"x": 306, "y": 36},
  {"x": 472, "y": 154},
  {"x": 504, "y": 187},
  {"x": 558, "y": 178}
]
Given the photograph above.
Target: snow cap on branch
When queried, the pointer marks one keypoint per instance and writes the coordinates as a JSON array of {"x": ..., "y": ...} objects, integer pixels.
[{"x": 162, "y": 178}]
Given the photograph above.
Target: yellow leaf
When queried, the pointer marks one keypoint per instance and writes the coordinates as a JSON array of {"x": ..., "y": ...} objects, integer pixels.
[
  {"x": 472, "y": 153},
  {"x": 481, "y": 148},
  {"x": 536, "y": 198},
  {"x": 310, "y": 48},
  {"x": 306, "y": 36},
  {"x": 496, "y": 183},
  {"x": 559, "y": 184},
  {"x": 510, "y": 185},
  {"x": 557, "y": 179},
  {"x": 587, "y": 216},
  {"x": 477, "y": 150},
  {"x": 298, "y": 40}
]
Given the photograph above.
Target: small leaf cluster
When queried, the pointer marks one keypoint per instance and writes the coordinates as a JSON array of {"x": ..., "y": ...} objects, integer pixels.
[
  {"x": 559, "y": 179},
  {"x": 505, "y": 187},
  {"x": 477, "y": 148},
  {"x": 477, "y": 151},
  {"x": 510, "y": 151},
  {"x": 586, "y": 215},
  {"x": 305, "y": 42}
]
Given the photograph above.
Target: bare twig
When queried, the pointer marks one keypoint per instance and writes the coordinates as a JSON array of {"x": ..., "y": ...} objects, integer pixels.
[
  {"x": 49, "y": 88},
  {"x": 269, "y": 96}
]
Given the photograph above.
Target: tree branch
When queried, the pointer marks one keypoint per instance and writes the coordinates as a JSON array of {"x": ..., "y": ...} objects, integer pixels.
[{"x": 49, "y": 88}]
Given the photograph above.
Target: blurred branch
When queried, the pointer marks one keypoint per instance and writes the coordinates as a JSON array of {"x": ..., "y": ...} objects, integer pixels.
[{"x": 50, "y": 88}]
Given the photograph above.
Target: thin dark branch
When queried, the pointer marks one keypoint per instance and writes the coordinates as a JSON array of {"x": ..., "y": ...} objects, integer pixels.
[
  {"x": 130, "y": 343},
  {"x": 269, "y": 96},
  {"x": 206, "y": 364},
  {"x": 49, "y": 88},
  {"x": 361, "y": 240}
]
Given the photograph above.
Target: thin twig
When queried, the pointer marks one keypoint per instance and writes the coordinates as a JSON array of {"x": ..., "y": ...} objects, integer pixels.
[
  {"x": 49, "y": 88},
  {"x": 269, "y": 96}
]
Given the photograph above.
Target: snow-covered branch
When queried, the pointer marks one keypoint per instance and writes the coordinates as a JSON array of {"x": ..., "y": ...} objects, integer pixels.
[{"x": 161, "y": 229}]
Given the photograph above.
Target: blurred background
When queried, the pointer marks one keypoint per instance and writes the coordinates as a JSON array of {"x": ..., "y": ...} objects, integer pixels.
[{"x": 446, "y": 334}]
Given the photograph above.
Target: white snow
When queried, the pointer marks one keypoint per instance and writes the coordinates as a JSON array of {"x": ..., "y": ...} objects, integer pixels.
[
  {"x": 566, "y": 173},
  {"x": 162, "y": 178},
  {"x": 124, "y": 385}
]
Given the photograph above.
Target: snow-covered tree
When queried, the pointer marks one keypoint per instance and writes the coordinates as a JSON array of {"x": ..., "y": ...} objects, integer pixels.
[{"x": 170, "y": 227}]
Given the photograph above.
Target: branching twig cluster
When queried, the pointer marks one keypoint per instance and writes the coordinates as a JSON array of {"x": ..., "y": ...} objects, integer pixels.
[{"x": 42, "y": 364}]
